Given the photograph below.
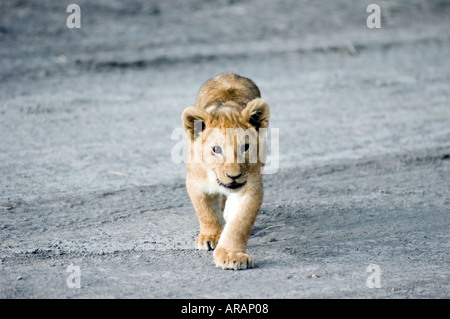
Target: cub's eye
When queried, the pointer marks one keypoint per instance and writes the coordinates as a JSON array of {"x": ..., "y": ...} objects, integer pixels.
[
  {"x": 244, "y": 148},
  {"x": 217, "y": 150}
]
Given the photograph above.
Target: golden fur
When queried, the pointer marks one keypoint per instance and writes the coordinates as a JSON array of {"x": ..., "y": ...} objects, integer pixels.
[{"x": 223, "y": 182}]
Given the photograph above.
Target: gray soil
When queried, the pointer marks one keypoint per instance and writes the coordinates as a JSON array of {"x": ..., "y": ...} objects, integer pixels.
[{"x": 87, "y": 178}]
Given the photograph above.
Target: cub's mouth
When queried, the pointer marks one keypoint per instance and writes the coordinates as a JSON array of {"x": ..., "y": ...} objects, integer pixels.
[{"x": 232, "y": 185}]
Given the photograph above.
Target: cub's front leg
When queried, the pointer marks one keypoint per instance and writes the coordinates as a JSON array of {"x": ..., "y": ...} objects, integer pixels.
[
  {"x": 240, "y": 213},
  {"x": 209, "y": 208}
]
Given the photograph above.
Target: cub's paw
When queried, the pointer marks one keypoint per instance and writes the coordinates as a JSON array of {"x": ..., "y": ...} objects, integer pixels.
[
  {"x": 232, "y": 259},
  {"x": 206, "y": 242}
]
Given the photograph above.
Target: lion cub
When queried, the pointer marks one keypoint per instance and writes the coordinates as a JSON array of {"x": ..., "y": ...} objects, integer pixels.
[{"x": 226, "y": 154}]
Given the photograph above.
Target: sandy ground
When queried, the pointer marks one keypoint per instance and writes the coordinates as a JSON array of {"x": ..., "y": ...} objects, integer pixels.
[{"x": 89, "y": 192}]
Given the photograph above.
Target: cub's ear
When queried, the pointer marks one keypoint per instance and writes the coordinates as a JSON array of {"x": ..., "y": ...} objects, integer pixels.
[
  {"x": 194, "y": 120},
  {"x": 257, "y": 113}
]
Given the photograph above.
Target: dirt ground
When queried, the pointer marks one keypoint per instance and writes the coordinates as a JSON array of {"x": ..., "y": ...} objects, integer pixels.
[{"x": 94, "y": 206}]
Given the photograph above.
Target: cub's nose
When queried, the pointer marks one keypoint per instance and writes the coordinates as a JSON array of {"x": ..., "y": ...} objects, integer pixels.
[{"x": 234, "y": 176}]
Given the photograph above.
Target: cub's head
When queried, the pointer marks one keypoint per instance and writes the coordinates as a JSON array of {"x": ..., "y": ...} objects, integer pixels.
[{"x": 226, "y": 140}]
